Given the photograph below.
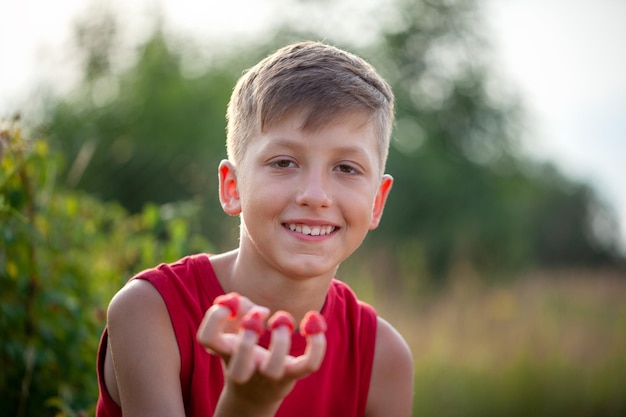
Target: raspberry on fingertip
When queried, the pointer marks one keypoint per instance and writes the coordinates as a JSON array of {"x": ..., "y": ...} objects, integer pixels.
[
  {"x": 313, "y": 323},
  {"x": 253, "y": 321},
  {"x": 230, "y": 301},
  {"x": 282, "y": 318}
]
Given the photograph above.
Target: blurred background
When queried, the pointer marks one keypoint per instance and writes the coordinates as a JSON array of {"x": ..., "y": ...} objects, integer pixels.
[{"x": 501, "y": 256}]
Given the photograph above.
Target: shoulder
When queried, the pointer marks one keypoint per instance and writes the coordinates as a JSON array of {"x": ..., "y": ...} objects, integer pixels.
[
  {"x": 391, "y": 386},
  {"x": 392, "y": 356},
  {"x": 139, "y": 325},
  {"x": 181, "y": 285},
  {"x": 146, "y": 359},
  {"x": 138, "y": 314},
  {"x": 134, "y": 298}
]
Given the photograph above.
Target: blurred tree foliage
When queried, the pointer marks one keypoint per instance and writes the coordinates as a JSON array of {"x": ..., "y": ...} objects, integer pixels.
[
  {"x": 63, "y": 254},
  {"x": 151, "y": 134},
  {"x": 154, "y": 132},
  {"x": 464, "y": 193}
]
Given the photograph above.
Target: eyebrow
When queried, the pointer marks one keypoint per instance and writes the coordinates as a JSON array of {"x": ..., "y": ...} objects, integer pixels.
[{"x": 282, "y": 142}]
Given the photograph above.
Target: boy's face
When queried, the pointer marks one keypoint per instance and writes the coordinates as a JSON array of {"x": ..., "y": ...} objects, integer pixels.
[{"x": 307, "y": 199}]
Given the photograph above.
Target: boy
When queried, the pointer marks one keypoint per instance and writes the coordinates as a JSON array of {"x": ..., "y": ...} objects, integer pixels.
[{"x": 308, "y": 133}]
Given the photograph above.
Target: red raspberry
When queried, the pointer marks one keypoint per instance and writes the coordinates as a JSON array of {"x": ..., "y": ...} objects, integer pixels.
[
  {"x": 312, "y": 323},
  {"x": 282, "y": 318},
  {"x": 230, "y": 301},
  {"x": 253, "y": 321}
]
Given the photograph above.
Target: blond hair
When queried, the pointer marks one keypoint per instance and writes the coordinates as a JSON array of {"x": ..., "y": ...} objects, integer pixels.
[{"x": 320, "y": 80}]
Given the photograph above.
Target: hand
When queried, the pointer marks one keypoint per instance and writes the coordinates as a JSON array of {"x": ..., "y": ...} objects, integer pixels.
[{"x": 254, "y": 374}]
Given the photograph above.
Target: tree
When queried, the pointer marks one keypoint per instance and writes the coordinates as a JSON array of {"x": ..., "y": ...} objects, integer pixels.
[
  {"x": 463, "y": 193},
  {"x": 148, "y": 135}
]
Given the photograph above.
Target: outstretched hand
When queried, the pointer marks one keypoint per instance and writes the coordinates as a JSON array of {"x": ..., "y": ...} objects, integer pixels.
[{"x": 256, "y": 376}]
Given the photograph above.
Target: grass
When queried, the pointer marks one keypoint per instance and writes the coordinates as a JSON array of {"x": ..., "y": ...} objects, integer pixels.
[{"x": 552, "y": 344}]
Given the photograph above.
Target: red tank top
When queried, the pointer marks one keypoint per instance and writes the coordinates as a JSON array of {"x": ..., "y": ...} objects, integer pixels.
[{"x": 340, "y": 386}]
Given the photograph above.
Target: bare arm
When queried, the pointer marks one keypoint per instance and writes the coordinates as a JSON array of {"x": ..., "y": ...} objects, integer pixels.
[
  {"x": 391, "y": 387},
  {"x": 146, "y": 360}
]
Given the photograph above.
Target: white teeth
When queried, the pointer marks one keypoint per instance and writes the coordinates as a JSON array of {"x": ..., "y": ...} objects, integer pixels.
[{"x": 311, "y": 230}]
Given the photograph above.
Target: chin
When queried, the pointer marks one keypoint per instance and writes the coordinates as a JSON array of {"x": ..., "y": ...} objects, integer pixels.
[{"x": 308, "y": 269}]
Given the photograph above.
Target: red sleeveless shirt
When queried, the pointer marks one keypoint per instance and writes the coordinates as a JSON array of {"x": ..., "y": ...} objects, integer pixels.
[{"x": 339, "y": 388}]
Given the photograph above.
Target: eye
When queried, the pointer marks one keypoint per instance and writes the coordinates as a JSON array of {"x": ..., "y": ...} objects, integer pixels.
[
  {"x": 282, "y": 163},
  {"x": 348, "y": 169}
]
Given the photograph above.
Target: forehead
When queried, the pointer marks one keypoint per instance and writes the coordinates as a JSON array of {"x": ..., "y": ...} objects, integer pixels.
[
  {"x": 357, "y": 124},
  {"x": 295, "y": 123},
  {"x": 350, "y": 136},
  {"x": 308, "y": 120}
]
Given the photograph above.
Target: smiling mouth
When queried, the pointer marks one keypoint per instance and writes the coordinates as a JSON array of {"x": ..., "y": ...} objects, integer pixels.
[{"x": 311, "y": 230}]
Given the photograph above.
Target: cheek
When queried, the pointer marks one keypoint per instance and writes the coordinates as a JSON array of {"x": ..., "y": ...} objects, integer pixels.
[
  {"x": 267, "y": 202},
  {"x": 358, "y": 205}
]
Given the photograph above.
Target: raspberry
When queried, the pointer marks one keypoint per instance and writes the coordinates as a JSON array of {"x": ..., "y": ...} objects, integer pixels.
[
  {"x": 253, "y": 321},
  {"x": 312, "y": 323},
  {"x": 282, "y": 318},
  {"x": 230, "y": 301}
]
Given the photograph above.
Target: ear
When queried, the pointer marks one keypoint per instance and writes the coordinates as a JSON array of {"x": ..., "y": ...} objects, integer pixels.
[
  {"x": 380, "y": 200},
  {"x": 229, "y": 195}
]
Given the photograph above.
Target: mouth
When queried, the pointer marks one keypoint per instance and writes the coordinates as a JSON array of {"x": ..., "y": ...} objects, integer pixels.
[{"x": 311, "y": 230}]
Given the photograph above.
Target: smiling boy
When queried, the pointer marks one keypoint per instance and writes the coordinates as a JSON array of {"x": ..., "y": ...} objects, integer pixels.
[{"x": 308, "y": 133}]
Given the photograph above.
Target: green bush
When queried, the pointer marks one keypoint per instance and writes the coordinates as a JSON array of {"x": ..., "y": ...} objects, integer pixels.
[{"x": 63, "y": 254}]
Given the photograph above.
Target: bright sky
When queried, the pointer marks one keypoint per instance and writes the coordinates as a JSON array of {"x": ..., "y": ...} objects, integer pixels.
[
  {"x": 566, "y": 57},
  {"x": 569, "y": 62}
]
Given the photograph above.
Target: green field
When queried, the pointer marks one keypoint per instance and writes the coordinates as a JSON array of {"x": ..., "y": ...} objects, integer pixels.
[{"x": 552, "y": 344}]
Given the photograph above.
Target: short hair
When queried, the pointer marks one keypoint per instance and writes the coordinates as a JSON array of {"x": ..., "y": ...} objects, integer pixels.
[{"x": 320, "y": 80}]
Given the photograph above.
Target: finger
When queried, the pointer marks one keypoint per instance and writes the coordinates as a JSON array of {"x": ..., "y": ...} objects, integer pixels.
[
  {"x": 312, "y": 358},
  {"x": 211, "y": 330},
  {"x": 313, "y": 327},
  {"x": 217, "y": 322},
  {"x": 243, "y": 364},
  {"x": 274, "y": 365},
  {"x": 224, "y": 308},
  {"x": 282, "y": 325},
  {"x": 231, "y": 301},
  {"x": 312, "y": 323},
  {"x": 254, "y": 320}
]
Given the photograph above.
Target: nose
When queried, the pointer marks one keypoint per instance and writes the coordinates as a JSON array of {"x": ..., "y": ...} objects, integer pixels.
[{"x": 314, "y": 190}]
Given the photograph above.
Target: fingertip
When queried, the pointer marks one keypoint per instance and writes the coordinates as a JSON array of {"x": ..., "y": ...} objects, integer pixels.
[
  {"x": 231, "y": 301},
  {"x": 282, "y": 318},
  {"x": 254, "y": 321},
  {"x": 212, "y": 324},
  {"x": 313, "y": 323}
]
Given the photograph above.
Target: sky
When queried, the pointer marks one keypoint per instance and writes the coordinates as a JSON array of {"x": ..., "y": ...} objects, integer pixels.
[
  {"x": 565, "y": 57},
  {"x": 568, "y": 60}
]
